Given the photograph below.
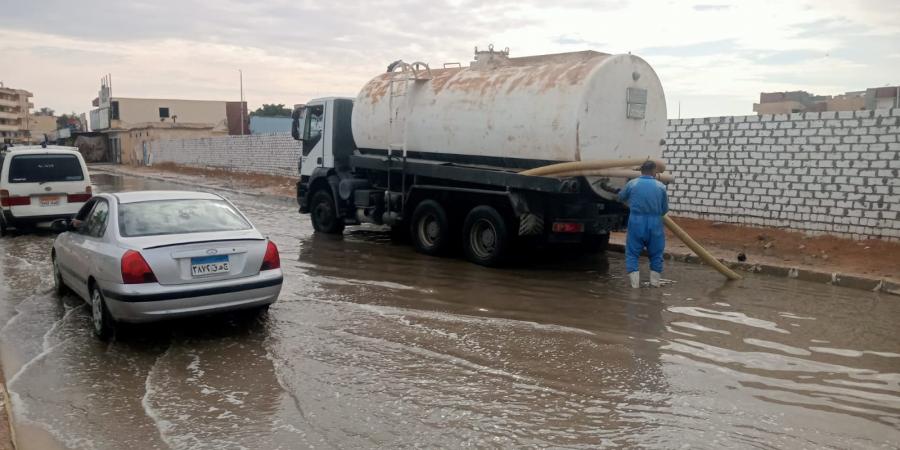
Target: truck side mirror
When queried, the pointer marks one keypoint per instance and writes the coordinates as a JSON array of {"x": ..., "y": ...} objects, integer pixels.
[{"x": 296, "y": 115}]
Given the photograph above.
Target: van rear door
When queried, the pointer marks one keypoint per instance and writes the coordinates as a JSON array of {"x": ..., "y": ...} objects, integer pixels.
[{"x": 46, "y": 184}]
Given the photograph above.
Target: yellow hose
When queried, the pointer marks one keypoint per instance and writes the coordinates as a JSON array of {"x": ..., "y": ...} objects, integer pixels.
[
  {"x": 603, "y": 168},
  {"x": 593, "y": 165},
  {"x": 700, "y": 251},
  {"x": 614, "y": 173}
]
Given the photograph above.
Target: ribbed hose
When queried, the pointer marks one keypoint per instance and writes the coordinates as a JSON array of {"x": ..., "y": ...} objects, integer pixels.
[{"x": 606, "y": 168}]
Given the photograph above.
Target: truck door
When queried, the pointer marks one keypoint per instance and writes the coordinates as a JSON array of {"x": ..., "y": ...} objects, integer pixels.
[{"x": 314, "y": 152}]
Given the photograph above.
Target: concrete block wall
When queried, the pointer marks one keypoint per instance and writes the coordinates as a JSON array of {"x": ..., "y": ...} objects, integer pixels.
[
  {"x": 821, "y": 172},
  {"x": 270, "y": 154}
]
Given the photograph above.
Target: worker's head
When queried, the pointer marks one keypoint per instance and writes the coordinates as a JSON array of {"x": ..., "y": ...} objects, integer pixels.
[{"x": 648, "y": 168}]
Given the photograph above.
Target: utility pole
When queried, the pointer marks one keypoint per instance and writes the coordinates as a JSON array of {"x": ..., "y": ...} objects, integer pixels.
[{"x": 242, "y": 101}]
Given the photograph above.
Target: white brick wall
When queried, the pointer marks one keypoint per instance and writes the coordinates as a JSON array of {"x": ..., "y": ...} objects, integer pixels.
[
  {"x": 271, "y": 154},
  {"x": 826, "y": 172}
]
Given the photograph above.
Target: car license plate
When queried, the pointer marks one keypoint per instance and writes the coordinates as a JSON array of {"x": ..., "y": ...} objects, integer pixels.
[
  {"x": 209, "y": 265},
  {"x": 49, "y": 200}
]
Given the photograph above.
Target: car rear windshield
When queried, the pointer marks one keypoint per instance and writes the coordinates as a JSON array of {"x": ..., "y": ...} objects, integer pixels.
[
  {"x": 44, "y": 168},
  {"x": 160, "y": 217}
]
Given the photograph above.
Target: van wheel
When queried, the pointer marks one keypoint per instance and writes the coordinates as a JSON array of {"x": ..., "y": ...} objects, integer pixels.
[
  {"x": 430, "y": 228},
  {"x": 102, "y": 321},
  {"x": 486, "y": 239},
  {"x": 324, "y": 214},
  {"x": 2, "y": 228}
]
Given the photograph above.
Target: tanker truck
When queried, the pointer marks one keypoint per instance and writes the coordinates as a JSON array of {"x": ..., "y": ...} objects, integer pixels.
[{"x": 435, "y": 153}]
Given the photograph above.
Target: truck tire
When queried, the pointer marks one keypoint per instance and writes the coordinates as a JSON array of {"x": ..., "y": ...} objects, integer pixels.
[
  {"x": 486, "y": 239},
  {"x": 430, "y": 228},
  {"x": 323, "y": 213}
]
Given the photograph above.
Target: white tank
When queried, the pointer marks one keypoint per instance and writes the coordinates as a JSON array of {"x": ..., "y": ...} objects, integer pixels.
[{"x": 559, "y": 107}]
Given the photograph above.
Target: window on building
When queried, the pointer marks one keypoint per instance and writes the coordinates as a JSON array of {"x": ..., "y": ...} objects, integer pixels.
[
  {"x": 114, "y": 110},
  {"x": 163, "y": 113}
]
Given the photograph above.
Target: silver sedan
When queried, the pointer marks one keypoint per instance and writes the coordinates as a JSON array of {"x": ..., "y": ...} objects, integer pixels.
[{"x": 151, "y": 255}]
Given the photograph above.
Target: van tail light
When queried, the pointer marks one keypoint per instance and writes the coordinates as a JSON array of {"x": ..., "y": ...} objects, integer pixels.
[
  {"x": 78, "y": 198},
  {"x": 135, "y": 269},
  {"x": 271, "y": 260},
  {"x": 568, "y": 227},
  {"x": 7, "y": 200}
]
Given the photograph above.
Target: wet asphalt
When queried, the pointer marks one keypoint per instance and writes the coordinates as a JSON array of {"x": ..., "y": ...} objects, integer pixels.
[{"x": 372, "y": 345}]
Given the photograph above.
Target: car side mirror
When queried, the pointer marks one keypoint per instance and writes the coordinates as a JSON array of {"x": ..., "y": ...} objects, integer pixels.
[
  {"x": 60, "y": 225},
  {"x": 75, "y": 225},
  {"x": 296, "y": 115}
]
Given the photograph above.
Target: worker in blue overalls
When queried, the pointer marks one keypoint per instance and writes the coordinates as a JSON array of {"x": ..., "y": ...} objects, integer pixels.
[{"x": 647, "y": 199}]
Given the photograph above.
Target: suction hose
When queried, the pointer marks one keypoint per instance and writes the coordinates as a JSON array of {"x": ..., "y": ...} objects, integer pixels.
[{"x": 606, "y": 168}]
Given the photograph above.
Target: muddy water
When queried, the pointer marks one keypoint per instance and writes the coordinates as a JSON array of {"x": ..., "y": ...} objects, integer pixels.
[{"x": 372, "y": 345}]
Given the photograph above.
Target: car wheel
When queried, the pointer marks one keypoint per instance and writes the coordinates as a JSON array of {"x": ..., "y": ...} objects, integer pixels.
[
  {"x": 3, "y": 230},
  {"x": 58, "y": 283},
  {"x": 100, "y": 317},
  {"x": 323, "y": 213},
  {"x": 430, "y": 228},
  {"x": 486, "y": 240}
]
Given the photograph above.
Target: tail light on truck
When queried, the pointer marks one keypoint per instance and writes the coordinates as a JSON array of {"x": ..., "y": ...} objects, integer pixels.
[
  {"x": 8, "y": 200},
  {"x": 568, "y": 227},
  {"x": 272, "y": 260},
  {"x": 135, "y": 269}
]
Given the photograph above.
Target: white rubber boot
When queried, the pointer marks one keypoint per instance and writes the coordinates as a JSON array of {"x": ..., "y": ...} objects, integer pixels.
[
  {"x": 635, "y": 278},
  {"x": 654, "y": 278}
]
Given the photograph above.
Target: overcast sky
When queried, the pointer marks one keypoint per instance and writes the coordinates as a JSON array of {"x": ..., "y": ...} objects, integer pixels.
[{"x": 714, "y": 57}]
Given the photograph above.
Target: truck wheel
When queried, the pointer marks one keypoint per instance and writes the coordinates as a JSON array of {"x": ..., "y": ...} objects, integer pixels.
[
  {"x": 486, "y": 239},
  {"x": 323, "y": 213},
  {"x": 596, "y": 243},
  {"x": 430, "y": 228}
]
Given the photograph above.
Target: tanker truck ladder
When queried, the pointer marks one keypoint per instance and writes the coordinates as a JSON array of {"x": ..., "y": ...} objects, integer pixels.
[{"x": 416, "y": 72}]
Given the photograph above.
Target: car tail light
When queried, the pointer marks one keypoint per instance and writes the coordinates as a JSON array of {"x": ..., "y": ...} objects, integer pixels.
[
  {"x": 78, "y": 198},
  {"x": 271, "y": 260},
  {"x": 568, "y": 227},
  {"x": 7, "y": 200},
  {"x": 135, "y": 269}
]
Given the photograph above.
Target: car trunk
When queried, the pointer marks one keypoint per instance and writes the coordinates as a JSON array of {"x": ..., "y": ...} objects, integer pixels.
[{"x": 202, "y": 257}]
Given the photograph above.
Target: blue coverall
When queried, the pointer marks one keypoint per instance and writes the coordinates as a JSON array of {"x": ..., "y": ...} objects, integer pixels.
[{"x": 648, "y": 202}]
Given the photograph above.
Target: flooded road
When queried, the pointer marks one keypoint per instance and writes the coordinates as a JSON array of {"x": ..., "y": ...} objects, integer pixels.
[{"x": 372, "y": 345}]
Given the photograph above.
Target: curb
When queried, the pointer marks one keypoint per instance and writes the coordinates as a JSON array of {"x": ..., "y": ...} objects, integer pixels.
[
  {"x": 106, "y": 169},
  {"x": 833, "y": 278}
]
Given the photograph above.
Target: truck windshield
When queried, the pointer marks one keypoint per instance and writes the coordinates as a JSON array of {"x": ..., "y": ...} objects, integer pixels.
[
  {"x": 158, "y": 217},
  {"x": 44, "y": 168}
]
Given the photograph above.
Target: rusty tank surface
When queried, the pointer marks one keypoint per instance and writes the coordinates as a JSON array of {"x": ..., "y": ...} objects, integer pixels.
[{"x": 557, "y": 107}]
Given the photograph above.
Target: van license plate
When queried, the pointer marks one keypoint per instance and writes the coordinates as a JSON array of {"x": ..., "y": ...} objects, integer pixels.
[
  {"x": 209, "y": 265},
  {"x": 49, "y": 200}
]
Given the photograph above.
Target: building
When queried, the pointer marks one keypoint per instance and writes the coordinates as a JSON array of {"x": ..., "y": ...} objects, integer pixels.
[
  {"x": 14, "y": 115},
  {"x": 132, "y": 125},
  {"x": 41, "y": 126},
  {"x": 802, "y": 101}
]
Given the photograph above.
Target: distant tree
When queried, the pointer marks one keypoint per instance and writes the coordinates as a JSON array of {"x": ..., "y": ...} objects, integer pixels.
[
  {"x": 273, "y": 110},
  {"x": 71, "y": 121},
  {"x": 45, "y": 111}
]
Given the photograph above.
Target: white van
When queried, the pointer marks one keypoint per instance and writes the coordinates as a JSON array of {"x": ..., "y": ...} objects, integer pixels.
[{"x": 41, "y": 184}]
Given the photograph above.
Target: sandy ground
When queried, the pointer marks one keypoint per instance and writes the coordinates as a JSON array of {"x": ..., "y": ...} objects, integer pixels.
[
  {"x": 870, "y": 258},
  {"x": 5, "y": 434}
]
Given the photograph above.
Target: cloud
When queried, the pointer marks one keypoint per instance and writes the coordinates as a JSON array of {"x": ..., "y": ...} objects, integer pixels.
[
  {"x": 292, "y": 50},
  {"x": 711, "y": 7}
]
